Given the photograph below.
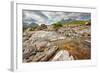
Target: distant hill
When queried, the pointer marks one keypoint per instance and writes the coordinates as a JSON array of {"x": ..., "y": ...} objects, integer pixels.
[
  {"x": 76, "y": 22},
  {"x": 73, "y": 21},
  {"x": 25, "y": 26},
  {"x": 32, "y": 24},
  {"x": 66, "y": 20}
]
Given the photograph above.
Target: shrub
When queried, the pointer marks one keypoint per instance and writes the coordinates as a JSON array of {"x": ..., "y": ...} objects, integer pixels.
[
  {"x": 57, "y": 25},
  {"x": 42, "y": 26}
]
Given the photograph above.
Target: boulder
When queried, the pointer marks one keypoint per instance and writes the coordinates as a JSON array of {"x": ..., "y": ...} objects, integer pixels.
[
  {"x": 40, "y": 45},
  {"x": 50, "y": 53},
  {"x": 62, "y": 55},
  {"x": 28, "y": 51},
  {"x": 46, "y": 55}
]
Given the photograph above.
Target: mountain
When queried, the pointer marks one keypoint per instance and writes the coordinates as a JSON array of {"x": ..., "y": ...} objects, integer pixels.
[
  {"x": 63, "y": 21},
  {"x": 25, "y": 26},
  {"x": 32, "y": 24},
  {"x": 73, "y": 21},
  {"x": 29, "y": 25}
]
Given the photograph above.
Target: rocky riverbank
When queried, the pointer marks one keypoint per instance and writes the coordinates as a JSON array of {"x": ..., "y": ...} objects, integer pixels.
[{"x": 68, "y": 43}]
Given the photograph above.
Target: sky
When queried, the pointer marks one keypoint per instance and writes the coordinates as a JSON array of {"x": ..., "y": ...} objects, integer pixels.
[{"x": 49, "y": 17}]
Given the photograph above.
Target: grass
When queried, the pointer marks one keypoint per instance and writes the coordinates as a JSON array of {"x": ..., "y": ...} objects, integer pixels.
[{"x": 77, "y": 22}]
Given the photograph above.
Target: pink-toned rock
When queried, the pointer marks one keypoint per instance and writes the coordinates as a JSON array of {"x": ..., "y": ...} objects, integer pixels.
[
  {"x": 41, "y": 45},
  {"x": 62, "y": 55}
]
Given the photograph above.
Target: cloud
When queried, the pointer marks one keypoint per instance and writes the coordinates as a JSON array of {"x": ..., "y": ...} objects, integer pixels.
[
  {"x": 34, "y": 16},
  {"x": 49, "y": 17}
]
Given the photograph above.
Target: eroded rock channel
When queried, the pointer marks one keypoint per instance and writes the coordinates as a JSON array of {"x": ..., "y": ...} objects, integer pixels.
[{"x": 70, "y": 43}]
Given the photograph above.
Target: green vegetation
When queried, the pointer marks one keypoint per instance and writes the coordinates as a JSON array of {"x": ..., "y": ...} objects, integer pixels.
[
  {"x": 24, "y": 28},
  {"x": 57, "y": 25},
  {"x": 32, "y": 28},
  {"x": 78, "y": 22},
  {"x": 43, "y": 26}
]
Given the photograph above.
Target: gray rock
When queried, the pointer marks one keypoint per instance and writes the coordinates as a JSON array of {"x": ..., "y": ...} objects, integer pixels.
[
  {"x": 40, "y": 45},
  {"x": 46, "y": 55},
  {"x": 46, "y": 35},
  {"x": 62, "y": 55},
  {"x": 28, "y": 52},
  {"x": 50, "y": 53}
]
